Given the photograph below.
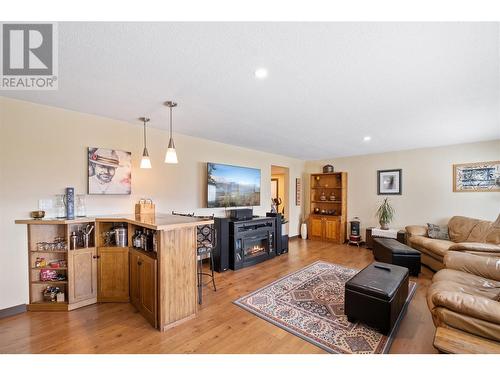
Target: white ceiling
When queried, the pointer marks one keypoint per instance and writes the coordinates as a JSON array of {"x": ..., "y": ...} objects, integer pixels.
[{"x": 407, "y": 85}]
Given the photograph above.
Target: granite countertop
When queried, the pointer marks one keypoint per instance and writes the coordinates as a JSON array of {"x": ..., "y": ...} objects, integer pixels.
[{"x": 157, "y": 222}]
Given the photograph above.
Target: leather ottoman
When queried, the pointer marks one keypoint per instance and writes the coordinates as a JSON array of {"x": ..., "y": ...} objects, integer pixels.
[
  {"x": 388, "y": 250},
  {"x": 376, "y": 295}
]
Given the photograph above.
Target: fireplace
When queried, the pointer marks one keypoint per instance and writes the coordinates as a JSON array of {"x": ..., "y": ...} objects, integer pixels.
[{"x": 252, "y": 242}]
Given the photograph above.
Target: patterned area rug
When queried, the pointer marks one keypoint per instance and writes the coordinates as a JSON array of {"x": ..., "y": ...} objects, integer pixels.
[{"x": 309, "y": 303}]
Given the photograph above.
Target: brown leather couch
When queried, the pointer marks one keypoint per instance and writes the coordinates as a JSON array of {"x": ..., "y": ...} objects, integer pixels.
[
  {"x": 464, "y": 300},
  {"x": 474, "y": 236}
]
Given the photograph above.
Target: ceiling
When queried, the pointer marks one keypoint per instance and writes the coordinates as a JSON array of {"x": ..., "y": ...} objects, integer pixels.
[{"x": 407, "y": 85}]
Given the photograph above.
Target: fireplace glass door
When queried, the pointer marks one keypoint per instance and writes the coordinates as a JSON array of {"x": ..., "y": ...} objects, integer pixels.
[{"x": 254, "y": 247}]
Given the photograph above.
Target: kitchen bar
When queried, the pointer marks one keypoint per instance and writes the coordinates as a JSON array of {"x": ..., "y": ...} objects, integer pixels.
[{"x": 161, "y": 284}]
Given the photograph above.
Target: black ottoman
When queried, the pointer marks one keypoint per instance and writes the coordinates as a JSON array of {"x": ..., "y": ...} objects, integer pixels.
[
  {"x": 376, "y": 295},
  {"x": 388, "y": 250}
]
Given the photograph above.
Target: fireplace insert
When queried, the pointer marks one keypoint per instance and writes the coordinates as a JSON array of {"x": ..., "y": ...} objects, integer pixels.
[{"x": 252, "y": 242}]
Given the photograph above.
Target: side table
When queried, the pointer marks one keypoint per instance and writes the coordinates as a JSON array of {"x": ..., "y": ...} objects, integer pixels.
[{"x": 369, "y": 238}]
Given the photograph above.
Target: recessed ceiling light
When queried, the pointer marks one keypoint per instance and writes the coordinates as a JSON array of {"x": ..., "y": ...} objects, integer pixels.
[
  {"x": 261, "y": 73},
  {"x": 367, "y": 138}
]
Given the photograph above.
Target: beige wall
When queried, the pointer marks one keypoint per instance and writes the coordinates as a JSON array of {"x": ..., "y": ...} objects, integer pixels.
[
  {"x": 43, "y": 150},
  {"x": 427, "y": 184}
]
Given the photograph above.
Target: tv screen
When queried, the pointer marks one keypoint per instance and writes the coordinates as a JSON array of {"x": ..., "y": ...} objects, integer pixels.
[{"x": 231, "y": 186}]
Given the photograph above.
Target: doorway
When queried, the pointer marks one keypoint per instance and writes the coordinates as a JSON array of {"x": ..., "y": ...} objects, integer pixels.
[{"x": 280, "y": 182}]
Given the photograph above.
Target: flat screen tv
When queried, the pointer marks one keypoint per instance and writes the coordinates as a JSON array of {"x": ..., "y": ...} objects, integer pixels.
[{"x": 232, "y": 186}]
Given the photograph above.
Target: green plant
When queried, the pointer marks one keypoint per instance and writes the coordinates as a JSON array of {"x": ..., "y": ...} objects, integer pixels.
[{"x": 385, "y": 212}]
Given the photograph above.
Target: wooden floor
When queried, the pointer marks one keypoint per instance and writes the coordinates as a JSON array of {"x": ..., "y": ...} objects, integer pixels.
[{"x": 220, "y": 327}]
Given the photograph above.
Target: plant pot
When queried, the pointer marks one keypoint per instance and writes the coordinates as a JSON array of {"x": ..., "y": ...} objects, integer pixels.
[{"x": 384, "y": 225}]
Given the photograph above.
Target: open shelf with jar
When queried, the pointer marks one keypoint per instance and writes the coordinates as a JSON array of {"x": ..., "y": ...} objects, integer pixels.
[
  {"x": 60, "y": 277},
  {"x": 328, "y": 206}
]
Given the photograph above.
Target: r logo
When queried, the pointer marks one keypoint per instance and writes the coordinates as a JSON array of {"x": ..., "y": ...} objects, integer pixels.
[{"x": 27, "y": 49}]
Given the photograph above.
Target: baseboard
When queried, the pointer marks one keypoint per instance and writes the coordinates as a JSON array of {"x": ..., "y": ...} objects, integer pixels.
[
  {"x": 293, "y": 237},
  {"x": 14, "y": 310}
]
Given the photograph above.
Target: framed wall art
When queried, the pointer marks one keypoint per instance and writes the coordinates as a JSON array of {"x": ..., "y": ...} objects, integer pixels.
[
  {"x": 477, "y": 177},
  {"x": 109, "y": 171},
  {"x": 389, "y": 182}
]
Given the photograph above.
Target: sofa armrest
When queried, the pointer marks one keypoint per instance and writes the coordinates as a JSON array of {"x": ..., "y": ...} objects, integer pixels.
[
  {"x": 416, "y": 230},
  {"x": 468, "y": 304},
  {"x": 487, "y": 267}
]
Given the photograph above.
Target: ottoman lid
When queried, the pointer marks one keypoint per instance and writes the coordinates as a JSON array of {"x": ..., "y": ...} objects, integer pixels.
[
  {"x": 396, "y": 247},
  {"x": 381, "y": 283}
]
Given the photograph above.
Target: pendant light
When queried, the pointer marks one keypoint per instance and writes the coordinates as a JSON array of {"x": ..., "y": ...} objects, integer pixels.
[
  {"x": 171, "y": 155},
  {"x": 145, "y": 161}
]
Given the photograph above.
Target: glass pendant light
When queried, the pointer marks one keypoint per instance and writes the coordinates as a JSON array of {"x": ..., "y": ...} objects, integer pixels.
[
  {"x": 145, "y": 161},
  {"x": 171, "y": 155}
]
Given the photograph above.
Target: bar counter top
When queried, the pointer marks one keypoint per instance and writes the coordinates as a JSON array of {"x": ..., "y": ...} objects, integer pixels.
[{"x": 156, "y": 222}]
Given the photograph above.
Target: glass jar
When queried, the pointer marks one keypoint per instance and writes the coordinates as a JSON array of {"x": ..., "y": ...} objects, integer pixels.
[
  {"x": 81, "y": 210},
  {"x": 60, "y": 206}
]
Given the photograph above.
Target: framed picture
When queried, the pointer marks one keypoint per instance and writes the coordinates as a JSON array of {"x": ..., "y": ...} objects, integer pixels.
[
  {"x": 274, "y": 188},
  {"x": 389, "y": 182},
  {"x": 298, "y": 192},
  {"x": 483, "y": 176},
  {"x": 109, "y": 171}
]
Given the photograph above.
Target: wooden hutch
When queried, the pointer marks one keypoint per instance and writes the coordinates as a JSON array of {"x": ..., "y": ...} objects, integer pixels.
[{"x": 328, "y": 207}]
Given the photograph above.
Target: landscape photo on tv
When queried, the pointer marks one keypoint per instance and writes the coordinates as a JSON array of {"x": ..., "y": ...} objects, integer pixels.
[{"x": 232, "y": 186}]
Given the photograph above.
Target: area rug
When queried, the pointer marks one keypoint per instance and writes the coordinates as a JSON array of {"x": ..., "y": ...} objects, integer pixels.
[{"x": 309, "y": 303}]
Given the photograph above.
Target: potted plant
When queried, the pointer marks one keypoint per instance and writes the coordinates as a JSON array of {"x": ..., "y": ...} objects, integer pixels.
[{"x": 385, "y": 214}]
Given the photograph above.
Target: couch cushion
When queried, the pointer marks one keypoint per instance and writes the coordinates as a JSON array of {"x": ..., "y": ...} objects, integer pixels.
[
  {"x": 432, "y": 245},
  {"x": 460, "y": 227},
  {"x": 493, "y": 235},
  {"x": 474, "y": 284},
  {"x": 476, "y": 246},
  {"x": 448, "y": 318},
  {"x": 479, "y": 232}
]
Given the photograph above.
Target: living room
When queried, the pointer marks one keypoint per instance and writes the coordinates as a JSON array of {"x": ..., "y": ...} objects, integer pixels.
[{"x": 250, "y": 188}]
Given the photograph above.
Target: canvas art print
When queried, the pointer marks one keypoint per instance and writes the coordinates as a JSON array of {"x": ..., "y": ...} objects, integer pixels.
[
  {"x": 484, "y": 176},
  {"x": 109, "y": 171},
  {"x": 389, "y": 182}
]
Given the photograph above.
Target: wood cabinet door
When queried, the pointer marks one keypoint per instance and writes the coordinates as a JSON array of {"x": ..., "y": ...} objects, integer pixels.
[
  {"x": 316, "y": 227},
  {"x": 148, "y": 291},
  {"x": 113, "y": 274},
  {"x": 134, "y": 279},
  {"x": 82, "y": 272},
  {"x": 332, "y": 229}
]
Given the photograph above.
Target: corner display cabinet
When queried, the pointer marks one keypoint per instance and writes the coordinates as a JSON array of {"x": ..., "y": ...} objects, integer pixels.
[{"x": 328, "y": 207}]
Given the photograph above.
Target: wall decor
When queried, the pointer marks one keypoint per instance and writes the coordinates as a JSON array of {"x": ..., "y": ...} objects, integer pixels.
[
  {"x": 389, "y": 182},
  {"x": 328, "y": 168},
  {"x": 109, "y": 171},
  {"x": 298, "y": 192},
  {"x": 274, "y": 188},
  {"x": 483, "y": 176}
]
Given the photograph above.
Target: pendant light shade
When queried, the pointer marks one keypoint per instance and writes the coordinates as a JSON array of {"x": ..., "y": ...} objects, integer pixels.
[
  {"x": 145, "y": 161},
  {"x": 171, "y": 155}
]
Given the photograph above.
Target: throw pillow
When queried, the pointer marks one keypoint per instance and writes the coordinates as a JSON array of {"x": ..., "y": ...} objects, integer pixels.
[{"x": 437, "y": 232}]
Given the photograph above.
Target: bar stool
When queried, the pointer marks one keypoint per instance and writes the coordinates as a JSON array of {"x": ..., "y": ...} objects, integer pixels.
[{"x": 206, "y": 242}]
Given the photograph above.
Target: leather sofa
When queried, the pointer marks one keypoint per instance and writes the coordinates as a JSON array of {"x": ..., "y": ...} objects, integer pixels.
[
  {"x": 474, "y": 236},
  {"x": 464, "y": 300}
]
